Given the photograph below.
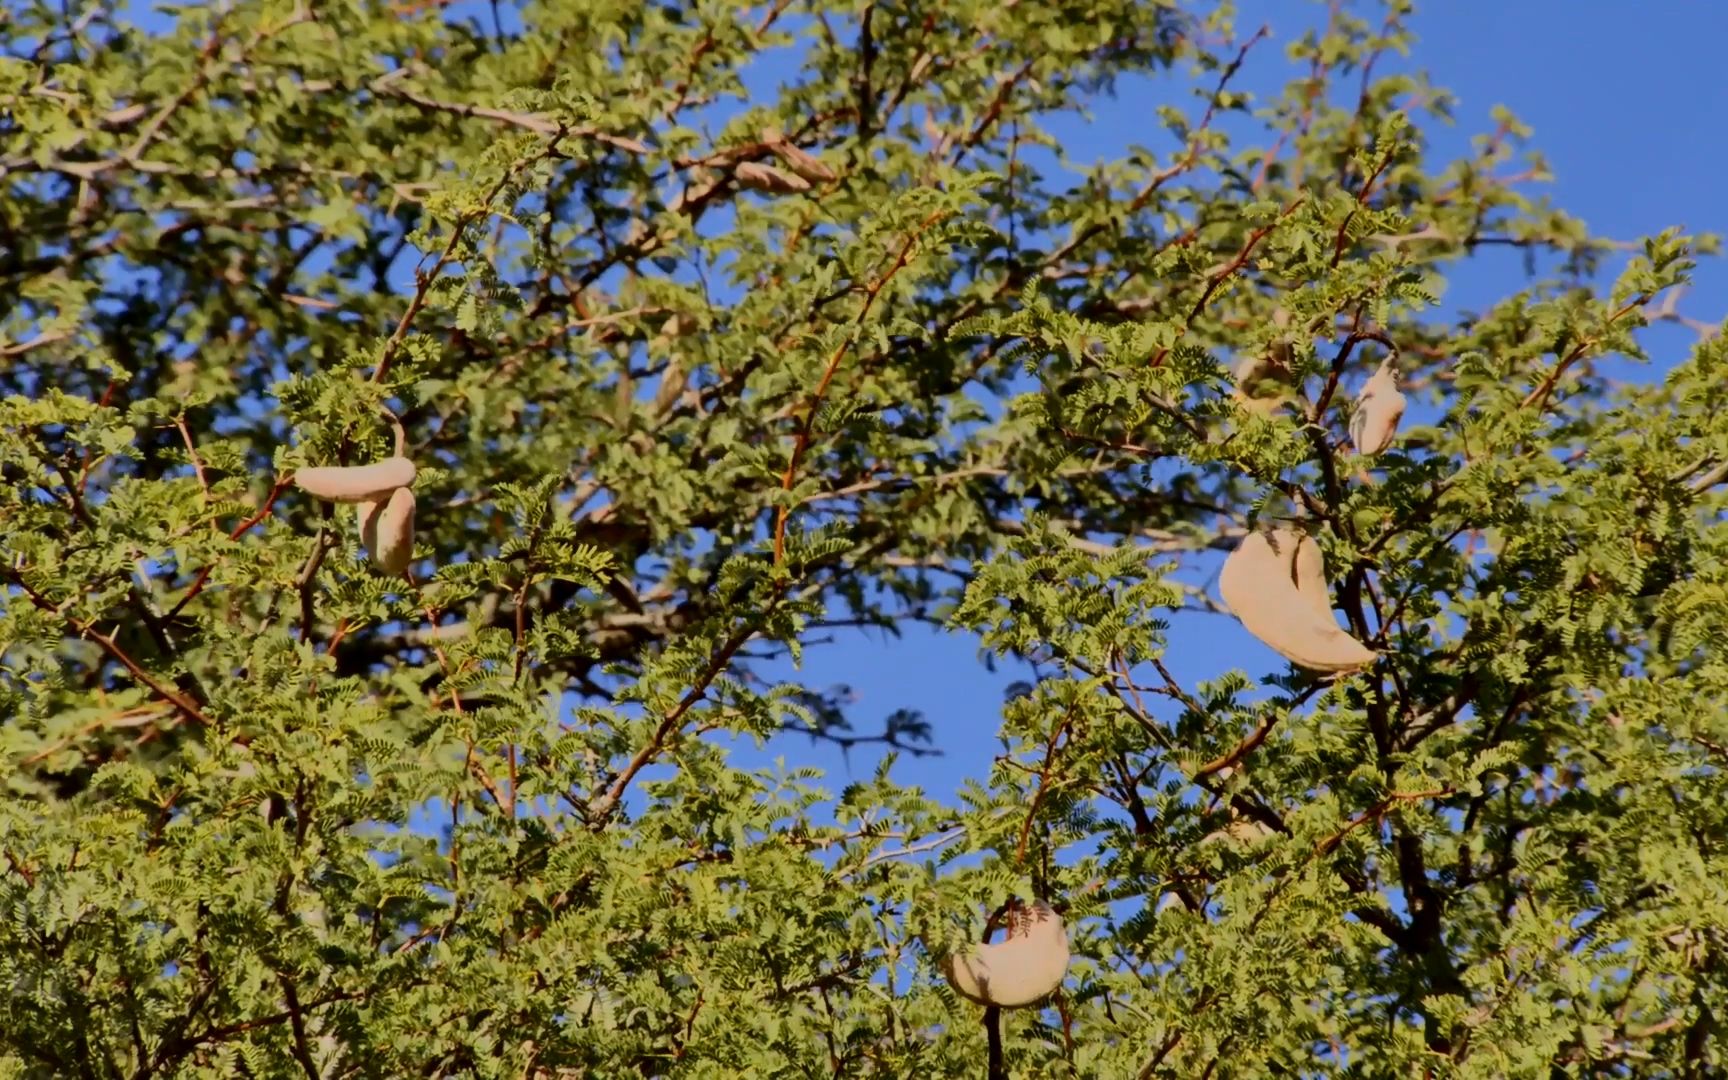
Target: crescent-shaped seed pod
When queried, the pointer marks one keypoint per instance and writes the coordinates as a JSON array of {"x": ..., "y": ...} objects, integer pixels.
[
  {"x": 806, "y": 165},
  {"x": 1022, "y": 968},
  {"x": 1274, "y": 588},
  {"x": 387, "y": 530},
  {"x": 760, "y": 177},
  {"x": 1309, "y": 567},
  {"x": 356, "y": 483},
  {"x": 1379, "y": 407}
]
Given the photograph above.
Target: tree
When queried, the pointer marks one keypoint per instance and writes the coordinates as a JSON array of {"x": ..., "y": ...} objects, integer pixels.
[{"x": 694, "y": 371}]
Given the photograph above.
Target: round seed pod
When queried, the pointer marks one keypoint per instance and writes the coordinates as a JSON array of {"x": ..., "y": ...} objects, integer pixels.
[{"x": 1023, "y": 968}]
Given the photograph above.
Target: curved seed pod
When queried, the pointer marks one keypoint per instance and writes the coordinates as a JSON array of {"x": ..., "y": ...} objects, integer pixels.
[
  {"x": 1379, "y": 407},
  {"x": 1261, "y": 587},
  {"x": 760, "y": 177},
  {"x": 805, "y": 164},
  {"x": 1309, "y": 566},
  {"x": 387, "y": 530},
  {"x": 369, "y": 511},
  {"x": 1022, "y": 968},
  {"x": 356, "y": 483}
]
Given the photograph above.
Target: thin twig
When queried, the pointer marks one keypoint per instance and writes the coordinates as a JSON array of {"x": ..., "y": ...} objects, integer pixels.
[
  {"x": 1242, "y": 749},
  {"x": 424, "y": 280},
  {"x": 1224, "y": 273},
  {"x": 263, "y": 512},
  {"x": 1043, "y": 783},
  {"x": 601, "y": 808},
  {"x": 527, "y": 121},
  {"x": 802, "y": 442},
  {"x": 192, "y": 452},
  {"x": 112, "y": 648},
  {"x": 1539, "y": 396}
]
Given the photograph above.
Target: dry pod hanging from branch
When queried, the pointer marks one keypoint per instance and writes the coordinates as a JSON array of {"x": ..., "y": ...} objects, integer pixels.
[
  {"x": 387, "y": 530},
  {"x": 1275, "y": 585},
  {"x": 1024, "y": 967},
  {"x": 383, "y": 492},
  {"x": 1379, "y": 407},
  {"x": 808, "y": 166},
  {"x": 766, "y": 178},
  {"x": 678, "y": 325},
  {"x": 356, "y": 483}
]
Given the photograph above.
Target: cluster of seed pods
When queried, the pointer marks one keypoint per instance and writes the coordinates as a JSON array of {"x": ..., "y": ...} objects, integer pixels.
[
  {"x": 802, "y": 168},
  {"x": 1274, "y": 582},
  {"x": 384, "y": 493}
]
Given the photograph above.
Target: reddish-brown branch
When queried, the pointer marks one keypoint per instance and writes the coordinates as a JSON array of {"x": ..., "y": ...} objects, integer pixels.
[
  {"x": 1361, "y": 201},
  {"x": 1224, "y": 273},
  {"x": 423, "y": 281},
  {"x": 84, "y": 458},
  {"x": 114, "y": 651},
  {"x": 601, "y": 808},
  {"x": 1375, "y": 813},
  {"x": 1539, "y": 396},
  {"x": 1043, "y": 783},
  {"x": 1266, "y": 161},
  {"x": 234, "y": 534},
  {"x": 1181, "y": 165},
  {"x": 192, "y": 453},
  {"x": 802, "y": 440},
  {"x": 1242, "y": 749},
  {"x": 1350, "y": 342},
  {"x": 1241, "y": 259}
]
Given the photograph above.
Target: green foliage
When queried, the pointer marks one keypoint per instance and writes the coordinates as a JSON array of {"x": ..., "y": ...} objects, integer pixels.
[{"x": 268, "y": 812}]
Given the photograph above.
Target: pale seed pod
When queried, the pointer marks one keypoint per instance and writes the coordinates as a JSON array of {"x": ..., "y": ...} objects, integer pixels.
[
  {"x": 387, "y": 530},
  {"x": 808, "y": 166},
  {"x": 1309, "y": 566},
  {"x": 1379, "y": 407},
  {"x": 1023, "y": 968},
  {"x": 356, "y": 483},
  {"x": 369, "y": 511},
  {"x": 766, "y": 178},
  {"x": 1276, "y": 590},
  {"x": 673, "y": 381}
]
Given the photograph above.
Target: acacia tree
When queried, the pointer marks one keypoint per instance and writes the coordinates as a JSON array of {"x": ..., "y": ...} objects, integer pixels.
[{"x": 692, "y": 375}]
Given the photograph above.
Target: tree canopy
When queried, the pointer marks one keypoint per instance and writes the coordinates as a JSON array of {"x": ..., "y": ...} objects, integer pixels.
[{"x": 717, "y": 330}]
